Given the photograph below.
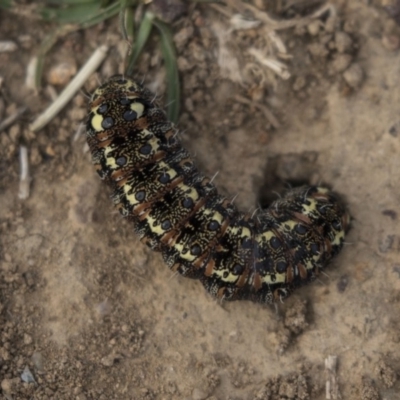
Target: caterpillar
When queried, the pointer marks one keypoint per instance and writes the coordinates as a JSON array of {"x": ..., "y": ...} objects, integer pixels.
[{"x": 177, "y": 211}]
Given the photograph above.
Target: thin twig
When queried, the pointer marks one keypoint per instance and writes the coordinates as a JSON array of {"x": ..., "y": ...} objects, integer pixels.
[
  {"x": 267, "y": 112},
  {"x": 12, "y": 118},
  {"x": 331, "y": 387},
  {"x": 277, "y": 24},
  {"x": 24, "y": 178},
  {"x": 273, "y": 64}
]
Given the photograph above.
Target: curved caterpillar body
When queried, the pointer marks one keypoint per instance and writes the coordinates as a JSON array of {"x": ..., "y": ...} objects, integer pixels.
[{"x": 177, "y": 211}]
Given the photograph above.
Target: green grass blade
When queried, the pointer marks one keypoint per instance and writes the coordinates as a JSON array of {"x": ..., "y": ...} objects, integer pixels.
[
  {"x": 64, "y": 3},
  {"x": 102, "y": 15},
  {"x": 6, "y": 4},
  {"x": 71, "y": 15},
  {"x": 86, "y": 15},
  {"x": 141, "y": 39},
  {"x": 127, "y": 21},
  {"x": 169, "y": 54}
]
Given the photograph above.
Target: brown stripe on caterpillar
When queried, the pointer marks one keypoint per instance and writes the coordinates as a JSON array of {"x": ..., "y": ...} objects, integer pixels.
[{"x": 177, "y": 211}]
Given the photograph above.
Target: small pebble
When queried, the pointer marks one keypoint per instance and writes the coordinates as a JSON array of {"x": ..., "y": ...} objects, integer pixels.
[
  {"x": 27, "y": 339},
  {"x": 199, "y": 394},
  {"x": 8, "y": 386},
  {"x": 103, "y": 308},
  {"x": 7, "y": 46},
  {"x": 314, "y": 27},
  {"x": 343, "y": 42},
  {"x": 341, "y": 62},
  {"x": 27, "y": 376},
  {"x": 354, "y": 76},
  {"x": 61, "y": 74},
  {"x": 109, "y": 361}
]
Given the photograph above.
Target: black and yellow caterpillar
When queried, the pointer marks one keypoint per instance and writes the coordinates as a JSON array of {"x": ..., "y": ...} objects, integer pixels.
[{"x": 177, "y": 211}]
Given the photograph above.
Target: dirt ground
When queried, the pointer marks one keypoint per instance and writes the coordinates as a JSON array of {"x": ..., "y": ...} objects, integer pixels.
[{"x": 87, "y": 312}]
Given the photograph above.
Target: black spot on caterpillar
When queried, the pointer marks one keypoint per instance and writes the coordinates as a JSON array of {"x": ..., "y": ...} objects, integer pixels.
[{"x": 177, "y": 211}]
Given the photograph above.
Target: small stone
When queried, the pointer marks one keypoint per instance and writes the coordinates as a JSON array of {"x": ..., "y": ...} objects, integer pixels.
[
  {"x": 343, "y": 42},
  {"x": 7, "y": 46},
  {"x": 103, "y": 308},
  {"x": 199, "y": 394},
  {"x": 27, "y": 339},
  {"x": 354, "y": 76},
  {"x": 50, "y": 151},
  {"x": 314, "y": 27},
  {"x": 341, "y": 62},
  {"x": 9, "y": 387},
  {"x": 27, "y": 376},
  {"x": 109, "y": 361},
  {"x": 61, "y": 74},
  {"x": 183, "y": 64}
]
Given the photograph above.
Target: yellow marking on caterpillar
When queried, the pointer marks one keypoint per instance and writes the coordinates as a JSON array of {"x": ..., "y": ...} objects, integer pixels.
[
  {"x": 240, "y": 231},
  {"x": 231, "y": 278},
  {"x": 215, "y": 215},
  {"x": 183, "y": 252},
  {"x": 96, "y": 121},
  {"x": 138, "y": 108},
  {"x": 167, "y": 169},
  {"x": 130, "y": 197},
  {"x": 309, "y": 209},
  {"x": 155, "y": 225},
  {"x": 110, "y": 161},
  {"x": 338, "y": 237},
  {"x": 279, "y": 278},
  {"x": 189, "y": 191},
  {"x": 291, "y": 224},
  {"x": 267, "y": 236}
]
